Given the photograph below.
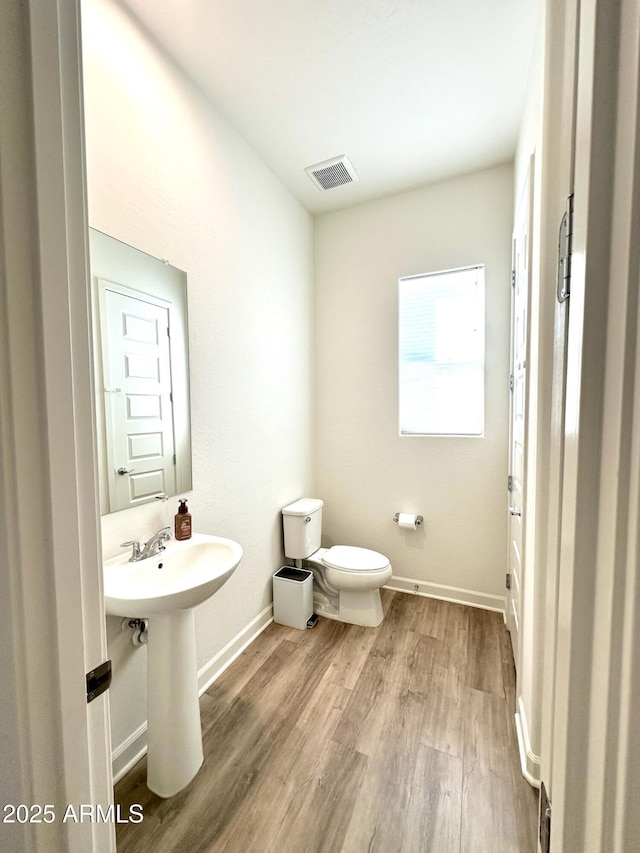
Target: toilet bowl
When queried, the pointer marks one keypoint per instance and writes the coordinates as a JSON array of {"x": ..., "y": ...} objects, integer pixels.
[
  {"x": 347, "y": 579},
  {"x": 353, "y": 576}
]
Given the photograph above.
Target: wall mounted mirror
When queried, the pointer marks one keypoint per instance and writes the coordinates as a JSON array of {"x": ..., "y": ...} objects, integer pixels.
[{"x": 141, "y": 357}]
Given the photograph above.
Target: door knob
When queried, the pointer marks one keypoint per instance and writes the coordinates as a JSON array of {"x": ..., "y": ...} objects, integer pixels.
[{"x": 122, "y": 471}]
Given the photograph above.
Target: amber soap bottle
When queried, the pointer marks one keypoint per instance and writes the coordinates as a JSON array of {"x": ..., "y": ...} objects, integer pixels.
[{"x": 183, "y": 521}]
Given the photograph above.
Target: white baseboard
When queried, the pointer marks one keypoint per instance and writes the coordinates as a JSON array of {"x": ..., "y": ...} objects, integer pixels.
[
  {"x": 529, "y": 761},
  {"x": 448, "y": 593},
  {"x": 130, "y": 751},
  {"x": 226, "y": 656}
]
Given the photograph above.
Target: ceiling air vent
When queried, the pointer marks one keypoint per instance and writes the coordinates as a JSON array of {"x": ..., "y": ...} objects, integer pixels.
[{"x": 332, "y": 173}]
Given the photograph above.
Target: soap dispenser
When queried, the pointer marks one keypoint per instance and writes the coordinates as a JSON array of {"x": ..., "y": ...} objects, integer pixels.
[{"x": 183, "y": 521}]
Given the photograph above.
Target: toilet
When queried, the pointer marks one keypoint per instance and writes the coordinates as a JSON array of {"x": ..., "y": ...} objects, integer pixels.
[{"x": 347, "y": 580}]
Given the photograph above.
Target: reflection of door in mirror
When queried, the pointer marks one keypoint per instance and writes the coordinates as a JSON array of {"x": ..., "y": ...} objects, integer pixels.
[
  {"x": 141, "y": 375},
  {"x": 137, "y": 383}
]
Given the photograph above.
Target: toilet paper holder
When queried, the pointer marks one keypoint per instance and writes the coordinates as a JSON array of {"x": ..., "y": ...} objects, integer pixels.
[{"x": 419, "y": 518}]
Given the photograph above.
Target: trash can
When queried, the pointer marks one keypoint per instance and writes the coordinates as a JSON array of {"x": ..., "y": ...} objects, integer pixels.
[{"x": 292, "y": 597}]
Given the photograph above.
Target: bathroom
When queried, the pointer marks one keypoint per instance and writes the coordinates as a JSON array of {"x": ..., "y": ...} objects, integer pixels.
[
  {"x": 293, "y": 351},
  {"x": 290, "y": 321}
]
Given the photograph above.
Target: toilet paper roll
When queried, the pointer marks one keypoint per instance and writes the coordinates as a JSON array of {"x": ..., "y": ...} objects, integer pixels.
[{"x": 407, "y": 520}]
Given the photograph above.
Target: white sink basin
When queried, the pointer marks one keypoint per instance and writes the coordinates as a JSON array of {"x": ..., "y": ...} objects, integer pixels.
[
  {"x": 183, "y": 575},
  {"x": 165, "y": 589}
]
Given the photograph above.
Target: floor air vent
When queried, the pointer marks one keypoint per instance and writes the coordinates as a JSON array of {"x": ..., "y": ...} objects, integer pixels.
[{"x": 332, "y": 173}]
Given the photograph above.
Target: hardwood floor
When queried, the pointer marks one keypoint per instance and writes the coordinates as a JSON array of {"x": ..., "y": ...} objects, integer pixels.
[{"x": 353, "y": 740}]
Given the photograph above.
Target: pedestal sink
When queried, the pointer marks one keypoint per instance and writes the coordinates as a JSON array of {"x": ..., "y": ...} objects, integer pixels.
[{"x": 165, "y": 588}]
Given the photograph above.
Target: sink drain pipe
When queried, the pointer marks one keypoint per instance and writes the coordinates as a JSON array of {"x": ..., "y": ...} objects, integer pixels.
[{"x": 139, "y": 630}]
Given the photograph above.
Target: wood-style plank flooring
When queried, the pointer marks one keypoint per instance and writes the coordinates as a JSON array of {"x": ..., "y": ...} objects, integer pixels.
[{"x": 353, "y": 740}]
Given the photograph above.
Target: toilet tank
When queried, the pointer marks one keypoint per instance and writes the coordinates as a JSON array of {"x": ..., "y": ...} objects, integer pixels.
[{"x": 302, "y": 521}]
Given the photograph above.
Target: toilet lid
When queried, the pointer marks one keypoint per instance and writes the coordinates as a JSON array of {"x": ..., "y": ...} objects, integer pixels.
[{"x": 354, "y": 559}]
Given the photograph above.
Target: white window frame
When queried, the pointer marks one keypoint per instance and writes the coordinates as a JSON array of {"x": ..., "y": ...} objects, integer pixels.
[{"x": 479, "y": 324}]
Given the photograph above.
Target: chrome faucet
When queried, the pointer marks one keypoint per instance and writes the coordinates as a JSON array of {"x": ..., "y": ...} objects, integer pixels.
[
  {"x": 155, "y": 544},
  {"x": 151, "y": 548}
]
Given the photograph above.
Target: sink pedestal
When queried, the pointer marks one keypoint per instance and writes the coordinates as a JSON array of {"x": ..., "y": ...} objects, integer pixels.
[
  {"x": 165, "y": 588},
  {"x": 174, "y": 734}
]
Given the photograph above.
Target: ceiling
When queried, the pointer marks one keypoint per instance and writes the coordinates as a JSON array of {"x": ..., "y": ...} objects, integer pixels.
[{"x": 412, "y": 91}]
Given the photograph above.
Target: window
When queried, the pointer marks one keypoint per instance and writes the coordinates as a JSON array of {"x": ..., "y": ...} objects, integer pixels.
[{"x": 441, "y": 353}]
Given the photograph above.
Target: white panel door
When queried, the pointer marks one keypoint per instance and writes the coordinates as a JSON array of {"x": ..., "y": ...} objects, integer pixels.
[
  {"x": 137, "y": 388},
  {"x": 518, "y": 382}
]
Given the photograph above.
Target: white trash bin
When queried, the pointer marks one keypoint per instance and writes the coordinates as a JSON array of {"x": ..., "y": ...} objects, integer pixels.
[{"x": 292, "y": 597}]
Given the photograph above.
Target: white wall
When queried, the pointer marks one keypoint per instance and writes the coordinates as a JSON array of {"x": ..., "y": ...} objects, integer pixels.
[
  {"x": 170, "y": 176},
  {"x": 365, "y": 471}
]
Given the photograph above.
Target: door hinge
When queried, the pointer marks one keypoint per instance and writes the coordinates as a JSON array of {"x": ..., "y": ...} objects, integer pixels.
[
  {"x": 545, "y": 820},
  {"x": 565, "y": 247},
  {"x": 507, "y": 582},
  {"x": 510, "y": 483},
  {"x": 511, "y": 382},
  {"x": 513, "y": 278},
  {"x": 98, "y": 680}
]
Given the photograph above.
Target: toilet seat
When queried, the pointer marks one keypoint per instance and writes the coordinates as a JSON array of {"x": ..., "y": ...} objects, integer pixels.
[{"x": 348, "y": 558}]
